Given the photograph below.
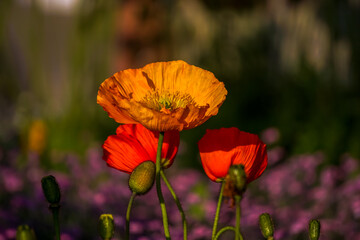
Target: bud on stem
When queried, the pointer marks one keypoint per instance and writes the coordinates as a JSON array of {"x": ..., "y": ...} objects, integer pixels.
[
  {"x": 24, "y": 232},
  {"x": 106, "y": 226},
  {"x": 238, "y": 177},
  {"x": 51, "y": 190},
  {"x": 314, "y": 229},
  {"x": 266, "y": 226},
  {"x": 142, "y": 178},
  {"x": 52, "y": 194}
]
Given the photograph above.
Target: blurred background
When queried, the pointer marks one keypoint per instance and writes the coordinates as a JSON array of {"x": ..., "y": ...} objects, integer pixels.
[{"x": 291, "y": 69}]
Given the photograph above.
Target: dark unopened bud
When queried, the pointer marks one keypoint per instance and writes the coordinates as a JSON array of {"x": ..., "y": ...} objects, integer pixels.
[
  {"x": 238, "y": 177},
  {"x": 266, "y": 225},
  {"x": 51, "y": 189},
  {"x": 314, "y": 229},
  {"x": 106, "y": 226},
  {"x": 142, "y": 178},
  {"x": 24, "y": 232}
]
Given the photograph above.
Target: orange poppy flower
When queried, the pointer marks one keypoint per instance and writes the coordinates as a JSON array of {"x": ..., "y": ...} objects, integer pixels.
[
  {"x": 134, "y": 144},
  {"x": 162, "y": 96},
  {"x": 221, "y": 148}
]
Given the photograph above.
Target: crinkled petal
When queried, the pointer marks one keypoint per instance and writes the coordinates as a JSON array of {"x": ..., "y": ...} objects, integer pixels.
[
  {"x": 221, "y": 148},
  {"x": 149, "y": 141},
  {"x": 124, "y": 152},
  {"x": 132, "y": 96}
]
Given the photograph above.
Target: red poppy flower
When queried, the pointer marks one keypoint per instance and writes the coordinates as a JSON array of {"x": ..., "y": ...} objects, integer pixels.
[
  {"x": 221, "y": 148},
  {"x": 134, "y": 144}
]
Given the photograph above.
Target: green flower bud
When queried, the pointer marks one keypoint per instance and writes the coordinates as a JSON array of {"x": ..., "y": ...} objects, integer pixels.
[
  {"x": 238, "y": 177},
  {"x": 106, "y": 226},
  {"x": 266, "y": 225},
  {"x": 314, "y": 229},
  {"x": 142, "y": 178},
  {"x": 51, "y": 189},
  {"x": 24, "y": 232}
]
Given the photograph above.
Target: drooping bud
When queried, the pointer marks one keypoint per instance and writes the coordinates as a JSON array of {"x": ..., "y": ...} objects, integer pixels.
[
  {"x": 314, "y": 229},
  {"x": 24, "y": 232},
  {"x": 106, "y": 226},
  {"x": 238, "y": 177},
  {"x": 51, "y": 190},
  {"x": 142, "y": 178},
  {"x": 266, "y": 225}
]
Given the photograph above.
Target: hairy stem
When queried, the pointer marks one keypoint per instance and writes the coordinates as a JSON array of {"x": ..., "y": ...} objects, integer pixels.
[
  {"x": 55, "y": 213},
  {"x": 127, "y": 230},
  {"x": 237, "y": 224},
  {"x": 216, "y": 219},
  {"x": 158, "y": 187},
  {"x": 182, "y": 213}
]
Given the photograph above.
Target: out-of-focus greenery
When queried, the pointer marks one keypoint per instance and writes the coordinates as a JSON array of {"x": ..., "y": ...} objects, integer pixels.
[{"x": 287, "y": 64}]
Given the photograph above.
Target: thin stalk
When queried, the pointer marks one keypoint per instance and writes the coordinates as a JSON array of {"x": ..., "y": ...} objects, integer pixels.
[
  {"x": 158, "y": 187},
  {"x": 238, "y": 214},
  {"x": 55, "y": 213},
  {"x": 182, "y": 213},
  {"x": 127, "y": 230},
  {"x": 224, "y": 229},
  {"x": 216, "y": 219}
]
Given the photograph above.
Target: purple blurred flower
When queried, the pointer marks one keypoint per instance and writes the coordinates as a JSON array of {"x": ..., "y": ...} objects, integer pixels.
[
  {"x": 270, "y": 135},
  {"x": 136, "y": 227},
  {"x": 10, "y": 233},
  {"x": 200, "y": 231},
  {"x": 275, "y": 155},
  {"x": 65, "y": 236},
  {"x": 330, "y": 176},
  {"x": 12, "y": 181},
  {"x": 193, "y": 198},
  {"x": 144, "y": 238},
  {"x": 95, "y": 162},
  {"x": 355, "y": 206},
  {"x": 349, "y": 164}
]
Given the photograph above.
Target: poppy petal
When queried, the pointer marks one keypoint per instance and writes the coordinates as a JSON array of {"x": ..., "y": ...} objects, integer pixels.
[
  {"x": 221, "y": 148},
  {"x": 149, "y": 141},
  {"x": 124, "y": 152},
  {"x": 162, "y": 96}
]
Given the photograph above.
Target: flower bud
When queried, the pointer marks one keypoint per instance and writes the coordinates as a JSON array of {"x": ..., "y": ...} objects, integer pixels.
[
  {"x": 142, "y": 178},
  {"x": 106, "y": 226},
  {"x": 266, "y": 225},
  {"x": 51, "y": 190},
  {"x": 314, "y": 229},
  {"x": 238, "y": 177},
  {"x": 24, "y": 232}
]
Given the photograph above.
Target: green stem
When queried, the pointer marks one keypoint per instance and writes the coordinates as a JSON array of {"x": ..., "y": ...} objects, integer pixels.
[
  {"x": 158, "y": 187},
  {"x": 224, "y": 229},
  {"x": 216, "y": 219},
  {"x": 237, "y": 224},
  {"x": 55, "y": 213},
  {"x": 127, "y": 230},
  {"x": 182, "y": 213},
  {"x": 270, "y": 238}
]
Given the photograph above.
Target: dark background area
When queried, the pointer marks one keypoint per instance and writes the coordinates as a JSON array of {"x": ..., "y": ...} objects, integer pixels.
[{"x": 292, "y": 66}]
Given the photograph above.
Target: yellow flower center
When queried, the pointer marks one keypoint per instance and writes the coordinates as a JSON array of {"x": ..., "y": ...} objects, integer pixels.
[{"x": 166, "y": 102}]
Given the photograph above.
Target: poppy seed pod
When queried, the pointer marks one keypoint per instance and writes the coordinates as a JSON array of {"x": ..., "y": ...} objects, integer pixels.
[
  {"x": 106, "y": 226},
  {"x": 142, "y": 178},
  {"x": 24, "y": 232},
  {"x": 238, "y": 177},
  {"x": 266, "y": 225},
  {"x": 51, "y": 189},
  {"x": 314, "y": 229}
]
